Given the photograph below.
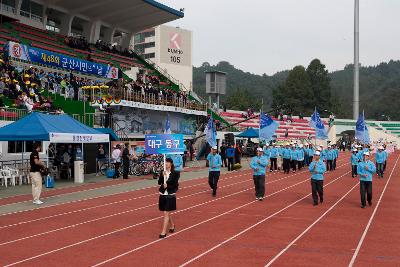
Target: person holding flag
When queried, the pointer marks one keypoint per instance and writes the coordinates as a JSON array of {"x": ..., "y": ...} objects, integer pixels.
[
  {"x": 317, "y": 169},
  {"x": 365, "y": 169},
  {"x": 259, "y": 163}
]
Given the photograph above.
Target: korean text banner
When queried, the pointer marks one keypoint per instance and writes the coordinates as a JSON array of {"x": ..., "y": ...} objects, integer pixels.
[
  {"x": 164, "y": 144},
  {"x": 45, "y": 57},
  {"x": 78, "y": 138}
]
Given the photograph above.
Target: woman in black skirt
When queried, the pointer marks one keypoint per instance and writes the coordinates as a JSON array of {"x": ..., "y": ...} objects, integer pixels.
[{"x": 168, "y": 182}]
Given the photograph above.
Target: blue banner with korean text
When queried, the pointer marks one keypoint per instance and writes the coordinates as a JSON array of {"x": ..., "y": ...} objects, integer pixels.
[
  {"x": 49, "y": 58},
  {"x": 164, "y": 144}
]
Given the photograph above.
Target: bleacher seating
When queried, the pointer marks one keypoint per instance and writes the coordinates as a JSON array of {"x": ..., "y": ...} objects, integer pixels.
[{"x": 297, "y": 129}]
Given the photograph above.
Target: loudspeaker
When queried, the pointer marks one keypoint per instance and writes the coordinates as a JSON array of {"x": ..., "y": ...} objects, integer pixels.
[{"x": 229, "y": 139}]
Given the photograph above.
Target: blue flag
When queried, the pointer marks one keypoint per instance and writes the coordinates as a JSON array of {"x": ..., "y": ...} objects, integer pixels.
[
  {"x": 318, "y": 125},
  {"x": 267, "y": 127},
  {"x": 167, "y": 125},
  {"x": 211, "y": 134},
  {"x": 361, "y": 130}
]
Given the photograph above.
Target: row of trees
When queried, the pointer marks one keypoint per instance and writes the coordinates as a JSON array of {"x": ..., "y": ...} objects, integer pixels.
[{"x": 304, "y": 89}]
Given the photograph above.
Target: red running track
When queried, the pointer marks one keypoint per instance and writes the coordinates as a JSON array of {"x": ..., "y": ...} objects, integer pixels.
[{"x": 229, "y": 229}]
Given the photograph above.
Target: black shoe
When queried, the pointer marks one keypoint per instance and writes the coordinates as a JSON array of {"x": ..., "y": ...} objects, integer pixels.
[
  {"x": 172, "y": 230},
  {"x": 315, "y": 204},
  {"x": 162, "y": 236},
  {"x": 370, "y": 203},
  {"x": 260, "y": 199},
  {"x": 214, "y": 194},
  {"x": 321, "y": 201},
  {"x": 363, "y": 206}
]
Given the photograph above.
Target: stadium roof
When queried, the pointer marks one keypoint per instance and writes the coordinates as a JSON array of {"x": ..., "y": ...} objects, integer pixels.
[{"x": 129, "y": 15}]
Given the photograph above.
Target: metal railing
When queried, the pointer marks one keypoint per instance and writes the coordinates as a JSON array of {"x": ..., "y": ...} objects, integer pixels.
[
  {"x": 149, "y": 98},
  {"x": 12, "y": 114},
  {"x": 7, "y": 8}
]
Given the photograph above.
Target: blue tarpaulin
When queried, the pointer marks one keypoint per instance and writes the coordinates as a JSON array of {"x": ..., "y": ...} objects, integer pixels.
[
  {"x": 249, "y": 133},
  {"x": 38, "y": 127}
]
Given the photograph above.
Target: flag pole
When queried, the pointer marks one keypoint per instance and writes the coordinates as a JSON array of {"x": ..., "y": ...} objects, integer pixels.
[{"x": 259, "y": 121}]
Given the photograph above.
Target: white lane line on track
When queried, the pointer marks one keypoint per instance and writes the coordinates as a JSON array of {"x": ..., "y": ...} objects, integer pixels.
[
  {"x": 107, "y": 204},
  {"x": 309, "y": 227},
  {"x": 353, "y": 259},
  {"x": 103, "y": 205},
  {"x": 213, "y": 218},
  {"x": 90, "y": 198},
  {"x": 128, "y": 211},
  {"x": 254, "y": 225},
  {"x": 156, "y": 218}
]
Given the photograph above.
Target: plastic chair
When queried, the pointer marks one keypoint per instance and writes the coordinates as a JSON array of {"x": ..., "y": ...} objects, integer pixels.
[{"x": 7, "y": 176}]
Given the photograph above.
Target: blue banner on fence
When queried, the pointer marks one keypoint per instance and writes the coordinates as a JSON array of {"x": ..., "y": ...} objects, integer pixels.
[
  {"x": 164, "y": 144},
  {"x": 45, "y": 57}
]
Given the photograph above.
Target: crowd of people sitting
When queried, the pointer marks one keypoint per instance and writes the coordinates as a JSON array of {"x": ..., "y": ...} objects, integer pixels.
[{"x": 82, "y": 44}]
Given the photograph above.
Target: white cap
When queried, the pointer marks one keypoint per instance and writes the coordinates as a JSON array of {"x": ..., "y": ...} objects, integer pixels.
[
  {"x": 260, "y": 149},
  {"x": 266, "y": 144},
  {"x": 381, "y": 147},
  {"x": 366, "y": 153},
  {"x": 215, "y": 147},
  {"x": 293, "y": 145},
  {"x": 278, "y": 146},
  {"x": 355, "y": 150},
  {"x": 301, "y": 145},
  {"x": 317, "y": 153},
  {"x": 318, "y": 149}
]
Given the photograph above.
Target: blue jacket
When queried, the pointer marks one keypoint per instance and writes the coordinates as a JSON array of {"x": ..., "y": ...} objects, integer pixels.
[
  {"x": 214, "y": 162},
  {"x": 366, "y": 175},
  {"x": 380, "y": 157},
  {"x": 336, "y": 153},
  {"x": 286, "y": 153},
  {"x": 330, "y": 154},
  {"x": 178, "y": 161},
  {"x": 267, "y": 152},
  {"x": 311, "y": 152},
  {"x": 300, "y": 154},
  {"x": 259, "y": 168},
  {"x": 230, "y": 152},
  {"x": 354, "y": 159},
  {"x": 320, "y": 169},
  {"x": 360, "y": 154},
  {"x": 324, "y": 154},
  {"x": 386, "y": 154},
  {"x": 293, "y": 154},
  {"x": 274, "y": 152}
]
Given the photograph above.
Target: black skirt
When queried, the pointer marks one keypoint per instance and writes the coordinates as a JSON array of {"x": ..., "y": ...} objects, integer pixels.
[{"x": 167, "y": 203}]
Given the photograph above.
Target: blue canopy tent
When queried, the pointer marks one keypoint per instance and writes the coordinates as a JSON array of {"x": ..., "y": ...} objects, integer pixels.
[
  {"x": 249, "y": 133},
  {"x": 53, "y": 128},
  {"x": 109, "y": 131}
]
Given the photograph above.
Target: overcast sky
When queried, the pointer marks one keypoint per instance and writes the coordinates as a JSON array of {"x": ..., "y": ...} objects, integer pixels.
[{"x": 266, "y": 36}]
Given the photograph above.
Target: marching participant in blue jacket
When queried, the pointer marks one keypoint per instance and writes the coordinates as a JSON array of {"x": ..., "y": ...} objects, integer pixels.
[
  {"x": 293, "y": 157},
  {"x": 336, "y": 152},
  {"x": 300, "y": 156},
  {"x": 366, "y": 169},
  {"x": 286, "y": 156},
  {"x": 178, "y": 163},
  {"x": 214, "y": 163},
  {"x": 380, "y": 158},
  {"x": 311, "y": 152},
  {"x": 354, "y": 163},
  {"x": 330, "y": 155},
  {"x": 274, "y": 159},
  {"x": 317, "y": 169},
  {"x": 259, "y": 163}
]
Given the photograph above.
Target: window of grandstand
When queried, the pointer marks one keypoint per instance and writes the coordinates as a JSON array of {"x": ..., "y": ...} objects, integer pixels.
[
  {"x": 32, "y": 10},
  {"x": 8, "y": 5},
  {"x": 52, "y": 26},
  {"x": 150, "y": 55},
  {"x": 16, "y": 146},
  {"x": 139, "y": 38}
]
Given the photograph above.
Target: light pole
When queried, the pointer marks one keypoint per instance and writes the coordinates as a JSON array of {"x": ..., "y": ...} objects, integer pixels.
[{"x": 356, "y": 93}]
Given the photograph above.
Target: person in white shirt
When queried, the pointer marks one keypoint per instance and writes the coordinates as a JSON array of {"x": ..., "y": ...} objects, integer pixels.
[{"x": 116, "y": 157}]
